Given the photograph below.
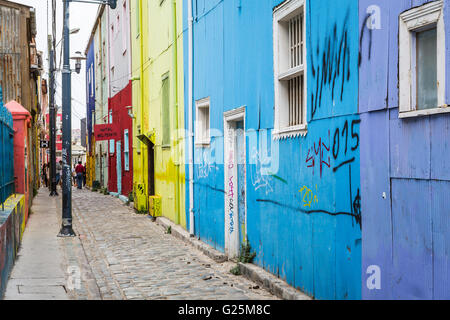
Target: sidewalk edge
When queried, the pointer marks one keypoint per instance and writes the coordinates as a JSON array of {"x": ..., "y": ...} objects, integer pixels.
[
  {"x": 252, "y": 272},
  {"x": 178, "y": 232}
]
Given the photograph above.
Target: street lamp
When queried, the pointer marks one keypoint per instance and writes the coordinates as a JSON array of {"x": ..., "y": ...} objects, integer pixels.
[
  {"x": 66, "y": 228},
  {"x": 72, "y": 31},
  {"x": 78, "y": 58}
]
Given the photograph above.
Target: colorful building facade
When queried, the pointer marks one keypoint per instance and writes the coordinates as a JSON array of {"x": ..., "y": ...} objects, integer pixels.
[
  {"x": 292, "y": 189},
  {"x": 308, "y": 142},
  {"x": 90, "y": 113},
  {"x": 20, "y": 66},
  {"x": 405, "y": 180},
  {"x": 159, "y": 123},
  {"x": 120, "y": 160},
  {"x": 139, "y": 50},
  {"x": 101, "y": 48}
]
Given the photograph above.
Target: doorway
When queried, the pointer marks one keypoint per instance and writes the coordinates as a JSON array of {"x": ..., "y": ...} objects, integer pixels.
[
  {"x": 151, "y": 169},
  {"x": 235, "y": 181}
]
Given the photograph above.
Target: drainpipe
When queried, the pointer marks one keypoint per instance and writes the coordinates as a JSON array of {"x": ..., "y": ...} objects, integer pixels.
[
  {"x": 191, "y": 134},
  {"x": 175, "y": 70},
  {"x": 143, "y": 147}
]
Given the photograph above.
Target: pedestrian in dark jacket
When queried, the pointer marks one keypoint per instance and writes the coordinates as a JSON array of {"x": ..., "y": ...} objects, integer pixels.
[{"x": 44, "y": 174}]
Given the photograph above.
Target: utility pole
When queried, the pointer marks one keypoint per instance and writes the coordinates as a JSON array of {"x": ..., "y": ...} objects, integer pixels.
[
  {"x": 66, "y": 228},
  {"x": 52, "y": 115}
]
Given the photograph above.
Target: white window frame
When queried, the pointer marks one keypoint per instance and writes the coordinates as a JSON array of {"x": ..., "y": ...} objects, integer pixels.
[
  {"x": 126, "y": 150},
  {"x": 91, "y": 78},
  {"x": 410, "y": 22},
  {"x": 281, "y": 15},
  {"x": 112, "y": 146},
  {"x": 199, "y": 134}
]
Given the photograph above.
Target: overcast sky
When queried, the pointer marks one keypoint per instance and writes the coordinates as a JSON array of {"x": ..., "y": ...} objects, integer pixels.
[{"x": 82, "y": 16}]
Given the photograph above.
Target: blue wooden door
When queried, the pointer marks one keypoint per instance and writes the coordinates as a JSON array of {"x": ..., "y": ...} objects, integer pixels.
[{"x": 119, "y": 167}]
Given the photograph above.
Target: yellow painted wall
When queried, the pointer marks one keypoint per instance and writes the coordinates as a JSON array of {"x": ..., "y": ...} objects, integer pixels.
[
  {"x": 160, "y": 58},
  {"x": 139, "y": 48},
  {"x": 90, "y": 164}
]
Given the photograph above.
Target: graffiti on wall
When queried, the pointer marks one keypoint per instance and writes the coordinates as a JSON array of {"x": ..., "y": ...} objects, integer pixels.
[
  {"x": 372, "y": 21},
  {"x": 330, "y": 66},
  {"x": 259, "y": 177},
  {"x": 345, "y": 142},
  {"x": 206, "y": 167},
  {"x": 230, "y": 183},
  {"x": 338, "y": 153},
  {"x": 309, "y": 197},
  {"x": 320, "y": 153}
]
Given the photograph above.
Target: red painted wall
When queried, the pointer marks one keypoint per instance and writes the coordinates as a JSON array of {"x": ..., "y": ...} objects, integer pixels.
[
  {"x": 121, "y": 121},
  {"x": 22, "y": 161}
]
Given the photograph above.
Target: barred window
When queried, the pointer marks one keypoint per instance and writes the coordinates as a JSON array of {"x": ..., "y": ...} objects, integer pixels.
[{"x": 290, "y": 68}]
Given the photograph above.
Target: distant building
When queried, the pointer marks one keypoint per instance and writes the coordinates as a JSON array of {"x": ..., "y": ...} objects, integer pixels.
[
  {"x": 76, "y": 137},
  {"x": 20, "y": 68},
  {"x": 120, "y": 160},
  {"x": 83, "y": 132}
]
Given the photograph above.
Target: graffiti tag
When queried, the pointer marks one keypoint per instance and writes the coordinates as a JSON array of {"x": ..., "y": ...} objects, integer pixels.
[{"x": 321, "y": 151}]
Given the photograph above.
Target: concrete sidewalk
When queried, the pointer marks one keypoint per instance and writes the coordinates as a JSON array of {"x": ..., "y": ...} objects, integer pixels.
[{"x": 38, "y": 273}]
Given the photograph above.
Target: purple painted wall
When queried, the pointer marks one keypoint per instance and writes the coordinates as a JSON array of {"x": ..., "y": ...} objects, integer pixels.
[{"x": 405, "y": 173}]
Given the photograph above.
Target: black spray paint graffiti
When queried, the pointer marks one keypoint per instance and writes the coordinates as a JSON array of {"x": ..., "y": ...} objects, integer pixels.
[
  {"x": 363, "y": 28},
  {"x": 357, "y": 209},
  {"x": 341, "y": 147},
  {"x": 372, "y": 21},
  {"x": 345, "y": 142},
  {"x": 332, "y": 65},
  {"x": 354, "y": 204},
  {"x": 356, "y": 214}
]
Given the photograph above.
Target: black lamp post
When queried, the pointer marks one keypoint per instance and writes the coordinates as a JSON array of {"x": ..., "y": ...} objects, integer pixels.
[{"x": 66, "y": 228}]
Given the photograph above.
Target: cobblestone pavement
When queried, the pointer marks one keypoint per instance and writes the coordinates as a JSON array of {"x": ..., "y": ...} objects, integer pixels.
[{"x": 131, "y": 257}]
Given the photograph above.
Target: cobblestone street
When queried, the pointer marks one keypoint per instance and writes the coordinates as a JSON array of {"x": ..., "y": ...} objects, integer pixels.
[{"x": 124, "y": 255}]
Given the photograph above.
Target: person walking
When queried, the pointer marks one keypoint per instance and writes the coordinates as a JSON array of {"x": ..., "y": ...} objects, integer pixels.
[
  {"x": 74, "y": 175},
  {"x": 44, "y": 174},
  {"x": 58, "y": 172},
  {"x": 79, "y": 171}
]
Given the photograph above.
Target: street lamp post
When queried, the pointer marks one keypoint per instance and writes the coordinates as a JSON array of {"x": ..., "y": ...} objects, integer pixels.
[
  {"x": 52, "y": 120},
  {"x": 66, "y": 228},
  {"x": 52, "y": 115}
]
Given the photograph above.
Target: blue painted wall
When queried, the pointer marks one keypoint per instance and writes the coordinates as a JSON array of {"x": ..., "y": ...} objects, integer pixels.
[
  {"x": 315, "y": 247},
  {"x": 90, "y": 94},
  {"x": 6, "y": 151},
  {"x": 407, "y": 232}
]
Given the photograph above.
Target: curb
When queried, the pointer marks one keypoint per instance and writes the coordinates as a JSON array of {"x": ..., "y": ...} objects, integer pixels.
[
  {"x": 270, "y": 282},
  {"x": 180, "y": 233},
  {"x": 119, "y": 196},
  {"x": 252, "y": 272}
]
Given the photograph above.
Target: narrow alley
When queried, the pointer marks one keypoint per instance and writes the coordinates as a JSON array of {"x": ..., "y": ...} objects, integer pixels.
[
  {"x": 119, "y": 255},
  {"x": 224, "y": 150}
]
